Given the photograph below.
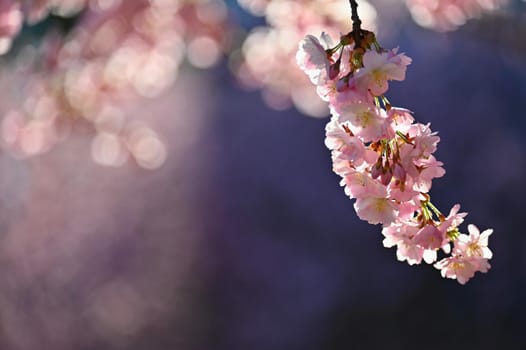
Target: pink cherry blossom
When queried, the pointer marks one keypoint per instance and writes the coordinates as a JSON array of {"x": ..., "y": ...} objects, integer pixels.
[
  {"x": 428, "y": 169},
  {"x": 312, "y": 58},
  {"x": 379, "y": 68},
  {"x": 402, "y": 119},
  {"x": 335, "y": 136},
  {"x": 461, "y": 268},
  {"x": 453, "y": 220},
  {"x": 353, "y": 151},
  {"x": 425, "y": 141},
  {"x": 408, "y": 250},
  {"x": 429, "y": 237},
  {"x": 367, "y": 122},
  {"x": 359, "y": 185},
  {"x": 476, "y": 244},
  {"x": 401, "y": 234},
  {"x": 376, "y": 210}
]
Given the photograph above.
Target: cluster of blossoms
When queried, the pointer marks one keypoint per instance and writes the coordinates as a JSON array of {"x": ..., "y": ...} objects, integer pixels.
[
  {"x": 267, "y": 59},
  {"x": 118, "y": 53},
  {"x": 445, "y": 15},
  {"x": 384, "y": 157}
]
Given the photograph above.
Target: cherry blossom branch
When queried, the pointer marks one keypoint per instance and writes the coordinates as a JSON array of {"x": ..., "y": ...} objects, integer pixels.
[{"x": 385, "y": 157}]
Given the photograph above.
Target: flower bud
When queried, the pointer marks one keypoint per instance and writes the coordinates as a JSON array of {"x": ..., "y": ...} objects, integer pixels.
[
  {"x": 386, "y": 177},
  {"x": 376, "y": 170},
  {"x": 399, "y": 172}
]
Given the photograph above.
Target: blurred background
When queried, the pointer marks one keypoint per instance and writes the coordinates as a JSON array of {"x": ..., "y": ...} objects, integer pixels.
[{"x": 164, "y": 182}]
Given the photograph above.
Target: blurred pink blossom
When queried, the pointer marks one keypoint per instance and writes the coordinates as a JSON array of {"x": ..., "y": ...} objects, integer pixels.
[
  {"x": 118, "y": 53},
  {"x": 13, "y": 13},
  {"x": 445, "y": 15}
]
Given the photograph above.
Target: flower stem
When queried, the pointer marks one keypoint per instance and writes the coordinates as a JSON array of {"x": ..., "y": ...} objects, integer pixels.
[{"x": 435, "y": 210}]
